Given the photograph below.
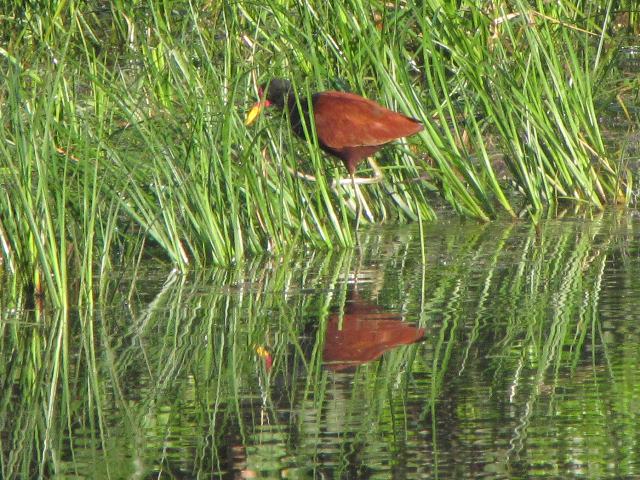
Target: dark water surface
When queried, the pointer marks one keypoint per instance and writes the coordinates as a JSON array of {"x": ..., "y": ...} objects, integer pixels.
[{"x": 511, "y": 352}]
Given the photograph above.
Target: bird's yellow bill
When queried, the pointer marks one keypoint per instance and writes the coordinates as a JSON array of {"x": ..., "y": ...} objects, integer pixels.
[{"x": 253, "y": 113}]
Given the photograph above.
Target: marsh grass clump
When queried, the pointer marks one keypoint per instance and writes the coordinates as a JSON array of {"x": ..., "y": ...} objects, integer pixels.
[{"x": 122, "y": 132}]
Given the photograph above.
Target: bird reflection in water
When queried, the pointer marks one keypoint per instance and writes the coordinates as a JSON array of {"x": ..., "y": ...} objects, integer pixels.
[{"x": 363, "y": 333}]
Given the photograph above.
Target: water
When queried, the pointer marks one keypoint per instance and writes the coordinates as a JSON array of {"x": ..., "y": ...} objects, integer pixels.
[{"x": 511, "y": 352}]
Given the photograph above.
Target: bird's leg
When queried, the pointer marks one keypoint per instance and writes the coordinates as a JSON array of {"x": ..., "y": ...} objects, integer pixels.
[
  {"x": 360, "y": 202},
  {"x": 304, "y": 176},
  {"x": 354, "y": 203},
  {"x": 377, "y": 176}
]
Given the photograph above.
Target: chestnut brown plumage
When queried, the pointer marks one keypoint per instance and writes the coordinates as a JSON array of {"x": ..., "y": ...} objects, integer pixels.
[{"x": 347, "y": 126}]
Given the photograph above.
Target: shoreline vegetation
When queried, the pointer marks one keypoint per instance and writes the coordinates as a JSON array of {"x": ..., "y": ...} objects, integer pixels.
[{"x": 122, "y": 136}]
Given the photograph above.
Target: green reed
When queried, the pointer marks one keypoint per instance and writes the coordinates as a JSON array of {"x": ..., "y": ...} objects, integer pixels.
[{"x": 122, "y": 125}]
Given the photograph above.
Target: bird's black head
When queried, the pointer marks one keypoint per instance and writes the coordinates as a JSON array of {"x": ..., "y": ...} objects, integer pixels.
[{"x": 278, "y": 92}]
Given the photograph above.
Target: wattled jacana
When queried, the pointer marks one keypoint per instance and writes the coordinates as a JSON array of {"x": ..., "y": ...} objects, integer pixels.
[{"x": 347, "y": 126}]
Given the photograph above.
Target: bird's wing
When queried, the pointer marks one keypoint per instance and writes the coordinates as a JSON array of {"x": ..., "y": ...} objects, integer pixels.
[{"x": 348, "y": 120}]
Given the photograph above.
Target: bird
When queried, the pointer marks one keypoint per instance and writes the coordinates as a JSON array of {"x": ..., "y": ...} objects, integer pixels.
[
  {"x": 347, "y": 126},
  {"x": 360, "y": 332}
]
